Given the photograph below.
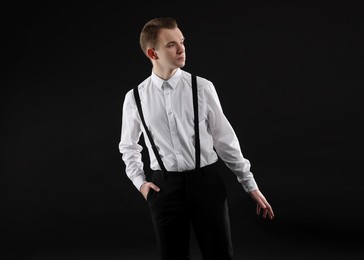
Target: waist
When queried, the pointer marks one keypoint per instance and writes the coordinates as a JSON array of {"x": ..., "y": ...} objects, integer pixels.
[{"x": 203, "y": 169}]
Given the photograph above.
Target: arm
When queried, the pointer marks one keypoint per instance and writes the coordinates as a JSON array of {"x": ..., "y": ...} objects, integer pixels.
[
  {"x": 228, "y": 148},
  {"x": 130, "y": 149},
  {"x": 226, "y": 142},
  {"x": 128, "y": 145}
]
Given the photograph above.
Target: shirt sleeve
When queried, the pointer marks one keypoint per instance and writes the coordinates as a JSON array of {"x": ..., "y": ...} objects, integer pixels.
[
  {"x": 128, "y": 145},
  {"x": 226, "y": 142}
]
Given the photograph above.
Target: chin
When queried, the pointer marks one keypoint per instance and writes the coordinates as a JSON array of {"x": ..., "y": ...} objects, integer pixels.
[{"x": 181, "y": 64}]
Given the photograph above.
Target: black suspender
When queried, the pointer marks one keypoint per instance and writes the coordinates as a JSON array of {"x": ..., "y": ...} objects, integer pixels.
[
  {"x": 137, "y": 101},
  {"x": 197, "y": 132}
]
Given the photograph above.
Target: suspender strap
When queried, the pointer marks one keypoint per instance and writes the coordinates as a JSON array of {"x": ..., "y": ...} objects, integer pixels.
[
  {"x": 137, "y": 101},
  {"x": 197, "y": 132}
]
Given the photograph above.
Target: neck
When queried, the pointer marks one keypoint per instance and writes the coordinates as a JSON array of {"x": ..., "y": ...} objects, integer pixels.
[{"x": 164, "y": 73}]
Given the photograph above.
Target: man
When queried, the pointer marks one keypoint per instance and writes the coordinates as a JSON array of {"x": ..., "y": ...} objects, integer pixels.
[{"x": 186, "y": 132}]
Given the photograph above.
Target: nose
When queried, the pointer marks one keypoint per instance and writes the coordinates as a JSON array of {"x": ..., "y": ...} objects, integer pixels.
[{"x": 181, "y": 48}]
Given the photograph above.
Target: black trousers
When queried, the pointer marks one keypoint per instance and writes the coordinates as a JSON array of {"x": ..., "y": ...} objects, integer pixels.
[{"x": 194, "y": 198}]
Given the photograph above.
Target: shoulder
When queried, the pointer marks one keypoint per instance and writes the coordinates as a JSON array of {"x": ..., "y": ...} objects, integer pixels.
[
  {"x": 203, "y": 84},
  {"x": 129, "y": 96},
  {"x": 141, "y": 86}
]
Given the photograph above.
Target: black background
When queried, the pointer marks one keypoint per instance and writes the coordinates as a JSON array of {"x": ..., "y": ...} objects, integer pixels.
[{"x": 289, "y": 77}]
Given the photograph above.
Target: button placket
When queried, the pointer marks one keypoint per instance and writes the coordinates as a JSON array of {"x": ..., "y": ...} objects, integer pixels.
[{"x": 172, "y": 123}]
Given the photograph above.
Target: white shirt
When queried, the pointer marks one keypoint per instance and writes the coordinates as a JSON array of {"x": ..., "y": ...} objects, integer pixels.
[{"x": 169, "y": 116}]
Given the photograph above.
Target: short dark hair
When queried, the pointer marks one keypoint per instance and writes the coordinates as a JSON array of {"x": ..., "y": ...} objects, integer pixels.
[{"x": 149, "y": 33}]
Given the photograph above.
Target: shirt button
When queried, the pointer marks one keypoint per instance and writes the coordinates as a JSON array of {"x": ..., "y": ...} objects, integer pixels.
[{"x": 169, "y": 113}]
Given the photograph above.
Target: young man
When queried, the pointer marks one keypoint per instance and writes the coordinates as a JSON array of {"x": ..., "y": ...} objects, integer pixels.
[{"x": 186, "y": 132}]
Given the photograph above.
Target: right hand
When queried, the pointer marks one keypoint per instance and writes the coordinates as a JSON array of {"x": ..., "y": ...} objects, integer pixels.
[
  {"x": 146, "y": 186},
  {"x": 262, "y": 204}
]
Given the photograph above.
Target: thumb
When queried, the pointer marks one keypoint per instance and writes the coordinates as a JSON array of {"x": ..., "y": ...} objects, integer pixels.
[{"x": 154, "y": 187}]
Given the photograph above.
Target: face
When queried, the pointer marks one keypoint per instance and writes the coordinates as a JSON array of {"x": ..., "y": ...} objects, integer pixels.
[{"x": 170, "y": 52}]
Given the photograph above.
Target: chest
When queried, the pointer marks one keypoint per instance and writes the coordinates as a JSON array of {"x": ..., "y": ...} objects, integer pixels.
[{"x": 160, "y": 106}]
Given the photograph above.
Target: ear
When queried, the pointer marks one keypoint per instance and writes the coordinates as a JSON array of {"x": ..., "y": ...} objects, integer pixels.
[{"x": 152, "y": 54}]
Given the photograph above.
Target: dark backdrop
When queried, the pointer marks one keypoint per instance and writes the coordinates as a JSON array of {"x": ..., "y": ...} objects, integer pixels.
[{"x": 290, "y": 80}]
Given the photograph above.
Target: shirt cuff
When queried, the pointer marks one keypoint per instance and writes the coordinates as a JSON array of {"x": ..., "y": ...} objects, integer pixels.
[
  {"x": 249, "y": 185},
  {"x": 138, "y": 182}
]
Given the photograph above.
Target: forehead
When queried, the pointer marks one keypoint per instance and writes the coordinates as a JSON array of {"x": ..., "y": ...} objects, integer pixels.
[{"x": 170, "y": 35}]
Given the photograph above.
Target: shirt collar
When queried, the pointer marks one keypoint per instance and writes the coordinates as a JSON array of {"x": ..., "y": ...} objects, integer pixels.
[{"x": 173, "y": 81}]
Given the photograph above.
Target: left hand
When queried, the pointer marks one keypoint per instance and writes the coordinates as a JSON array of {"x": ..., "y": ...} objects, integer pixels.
[{"x": 262, "y": 204}]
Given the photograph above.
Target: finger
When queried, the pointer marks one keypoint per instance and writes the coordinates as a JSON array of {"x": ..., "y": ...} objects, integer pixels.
[
  {"x": 260, "y": 205},
  {"x": 270, "y": 210},
  {"x": 260, "y": 209},
  {"x": 267, "y": 210},
  {"x": 271, "y": 213},
  {"x": 154, "y": 187}
]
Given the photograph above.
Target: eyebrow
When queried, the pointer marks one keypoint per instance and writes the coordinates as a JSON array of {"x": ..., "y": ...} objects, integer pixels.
[{"x": 182, "y": 40}]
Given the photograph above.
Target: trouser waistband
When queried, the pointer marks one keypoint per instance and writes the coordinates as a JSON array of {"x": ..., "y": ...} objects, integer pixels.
[{"x": 199, "y": 170}]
